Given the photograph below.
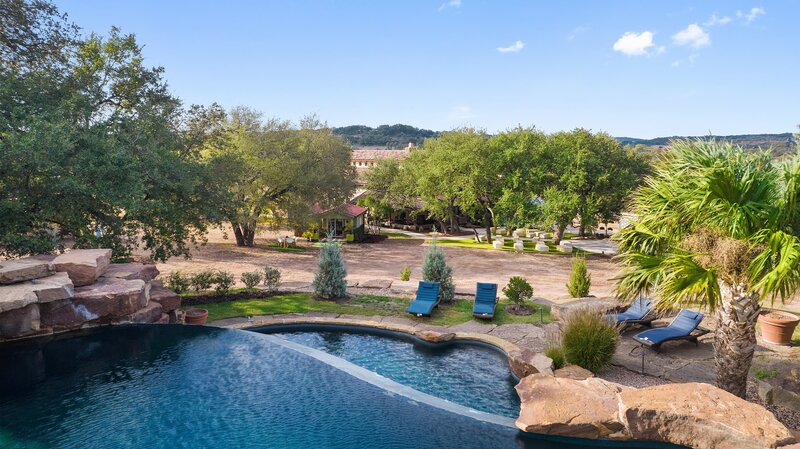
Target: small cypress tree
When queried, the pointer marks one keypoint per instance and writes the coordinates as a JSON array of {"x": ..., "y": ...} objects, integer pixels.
[
  {"x": 329, "y": 283},
  {"x": 580, "y": 280},
  {"x": 435, "y": 269}
]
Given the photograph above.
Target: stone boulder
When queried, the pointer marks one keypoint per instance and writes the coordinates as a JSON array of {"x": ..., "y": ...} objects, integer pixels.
[
  {"x": 574, "y": 408},
  {"x": 41, "y": 290},
  {"x": 84, "y": 266},
  {"x": 20, "y": 270},
  {"x": 151, "y": 313},
  {"x": 376, "y": 283},
  {"x": 573, "y": 372},
  {"x": 111, "y": 297},
  {"x": 524, "y": 362},
  {"x": 17, "y": 296},
  {"x": 434, "y": 336},
  {"x": 701, "y": 416},
  {"x": 20, "y": 322},
  {"x": 606, "y": 305},
  {"x": 133, "y": 270},
  {"x": 168, "y": 299}
]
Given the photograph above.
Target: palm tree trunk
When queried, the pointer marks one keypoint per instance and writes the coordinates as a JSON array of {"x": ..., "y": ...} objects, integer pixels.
[{"x": 735, "y": 337}]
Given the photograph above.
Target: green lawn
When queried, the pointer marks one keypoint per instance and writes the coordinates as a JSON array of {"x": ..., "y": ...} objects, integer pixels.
[
  {"x": 289, "y": 249},
  {"x": 444, "y": 315},
  {"x": 397, "y": 235},
  {"x": 508, "y": 245}
]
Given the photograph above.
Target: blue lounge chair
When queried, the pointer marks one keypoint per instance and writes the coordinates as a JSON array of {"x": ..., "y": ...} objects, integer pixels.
[
  {"x": 427, "y": 299},
  {"x": 685, "y": 326},
  {"x": 485, "y": 301},
  {"x": 637, "y": 313}
]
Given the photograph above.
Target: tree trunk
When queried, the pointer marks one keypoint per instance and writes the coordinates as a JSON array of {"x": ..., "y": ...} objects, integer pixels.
[
  {"x": 238, "y": 234},
  {"x": 487, "y": 219},
  {"x": 245, "y": 234},
  {"x": 735, "y": 337},
  {"x": 559, "y": 234},
  {"x": 453, "y": 220}
]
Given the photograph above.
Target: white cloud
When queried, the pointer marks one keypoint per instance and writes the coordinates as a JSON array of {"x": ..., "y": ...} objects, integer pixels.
[
  {"x": 752, "y": 15},
  {"x": 716, "y": 20},
  {"x": 634, "y": 44},
  {"x": 676, "y": 63},
  {"x": 450, "y": 4},
  {"x": 513, "y": 48},
  {"x": 693, "y": 36},
  {"x": 461, "y": 112}
]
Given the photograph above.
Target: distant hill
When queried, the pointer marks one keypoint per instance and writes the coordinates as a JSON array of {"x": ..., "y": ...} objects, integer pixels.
[
  {"x": 780, "y": 143},
  {"x": 390, "y": 136}
]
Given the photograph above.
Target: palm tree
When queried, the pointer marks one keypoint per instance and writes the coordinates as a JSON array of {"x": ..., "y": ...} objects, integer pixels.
[{"x": 717, "y": 228}]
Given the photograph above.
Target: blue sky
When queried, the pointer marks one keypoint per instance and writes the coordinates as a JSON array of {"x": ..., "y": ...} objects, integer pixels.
[{"x": 641, "y": 69}]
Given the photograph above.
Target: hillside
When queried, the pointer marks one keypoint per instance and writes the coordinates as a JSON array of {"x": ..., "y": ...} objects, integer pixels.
[
  {"x": 780, "y": 143},
  {"x": 390, "y": 136}
]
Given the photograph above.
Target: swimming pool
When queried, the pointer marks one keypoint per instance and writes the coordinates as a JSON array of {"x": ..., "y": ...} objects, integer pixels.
[
  {"x": 475, "y": 375},
  {"x": 165, "y": 386}
]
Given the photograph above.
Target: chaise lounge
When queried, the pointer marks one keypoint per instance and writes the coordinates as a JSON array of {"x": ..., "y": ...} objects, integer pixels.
[
  {"x": 485, "y": 301},
  {"x": 685, "y": 326},
  {"x": 637, "y": 313},
  {"x": 427, "y": 299}
]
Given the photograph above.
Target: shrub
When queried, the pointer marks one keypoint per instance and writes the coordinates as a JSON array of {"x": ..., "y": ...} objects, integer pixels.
[
  {"x": 224, "y": 281},
  {"x": 435, "y": 269},
  {"x": 203, "y": 280},
  {"x": 329, "y": 283},
  {"x": 405, "y": 273},
  {"x": 272, "y": 278},
  {"x": 518, "y": 290},
  {"x": 580, "y": 280},
  {"x": 178, "y": 282},
  {"x": 554, "y": 348},
  {"x": 251, "y": 278},
  {"x": 589, "y": 338}
]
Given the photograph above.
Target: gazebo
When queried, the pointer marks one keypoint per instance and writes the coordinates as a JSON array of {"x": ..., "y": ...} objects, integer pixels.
[{"x": 342, "y": 221}]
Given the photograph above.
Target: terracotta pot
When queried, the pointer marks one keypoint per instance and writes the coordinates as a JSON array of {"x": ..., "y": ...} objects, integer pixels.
[
  {"x": 196, "y": 316},
  {"x": 778, "y": 326}
]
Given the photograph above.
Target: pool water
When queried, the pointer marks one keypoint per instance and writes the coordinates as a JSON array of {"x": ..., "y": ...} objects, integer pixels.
[
  {"x": 173, "y": 386},
  {"x": 473, "y": 375}
]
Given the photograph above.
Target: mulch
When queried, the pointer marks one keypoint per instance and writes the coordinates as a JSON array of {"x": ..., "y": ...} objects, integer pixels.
[{"x": 213, "y": 298}]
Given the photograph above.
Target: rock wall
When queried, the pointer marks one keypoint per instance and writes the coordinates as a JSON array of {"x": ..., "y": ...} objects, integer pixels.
[{"x": 45, "y": 294}]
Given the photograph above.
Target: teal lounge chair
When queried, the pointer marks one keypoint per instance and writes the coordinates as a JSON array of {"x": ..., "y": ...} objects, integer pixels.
[
  {"x": 685, "y": 326},
  {"x": 485, "y": 301},
  {"x": 427, "y": 299},
  {"x": 637, "y": 313}
]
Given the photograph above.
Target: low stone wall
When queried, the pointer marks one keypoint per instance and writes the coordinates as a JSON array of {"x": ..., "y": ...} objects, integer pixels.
[{"x": 47, "y": 294}]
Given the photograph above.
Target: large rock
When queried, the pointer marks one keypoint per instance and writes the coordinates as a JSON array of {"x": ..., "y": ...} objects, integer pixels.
[
  {"x": 84, "y": 266},
  {"x": 574, "y": 408},
  {"x": 19, "y": 322},
  {"x": 573, "y": 372},
  {"x": 434, "y": 336},
  {"x": 168, "y": 299},
  {"x": 700, "y": 416},
  {"x": 133, "y": 270},
  {"x": 111, "y": 297},
  {"x": 559, "y": 311},
  {"x": 51, "y": 288},
  {"x": 64, "y": 315},
  {"x": 149, "y": 314},
  {"x": 19, "y": 270},
  {"x": 524, "y": 362}
]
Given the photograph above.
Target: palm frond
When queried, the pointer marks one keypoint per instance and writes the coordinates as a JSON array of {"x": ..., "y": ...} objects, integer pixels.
[
  {"x": 641, "y": 275},
  {"x": 685, "y": 282},
  {"x": 776, "y": 269}
]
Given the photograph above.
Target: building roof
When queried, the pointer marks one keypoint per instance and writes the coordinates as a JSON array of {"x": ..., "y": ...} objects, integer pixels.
[
  {"x": 374, "y": 154},
  {"x": 347, "y": 210}
]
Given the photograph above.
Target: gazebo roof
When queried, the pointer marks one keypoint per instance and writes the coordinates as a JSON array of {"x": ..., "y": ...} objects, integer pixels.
[{"x": 345, "y": 210}]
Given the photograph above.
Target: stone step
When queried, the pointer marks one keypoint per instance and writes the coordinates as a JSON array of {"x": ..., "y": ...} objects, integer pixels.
[
  {"x": 168, "y": 299},
  {"x": 51, "y": 288},
  {"x": 133, "y": 270},
  {"x": 84, "y": 266},
  {"x": 21, "y": 270}
]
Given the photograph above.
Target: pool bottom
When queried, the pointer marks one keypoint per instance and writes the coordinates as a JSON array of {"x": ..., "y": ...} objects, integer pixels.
[{"x": 166, "y": 386}]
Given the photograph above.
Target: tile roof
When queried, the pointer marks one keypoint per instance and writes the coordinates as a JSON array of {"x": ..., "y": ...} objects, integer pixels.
[{"x": 373, "y": 154}]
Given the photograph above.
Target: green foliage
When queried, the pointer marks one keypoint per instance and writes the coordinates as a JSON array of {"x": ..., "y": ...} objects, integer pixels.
[
  {"x": 349, "y": 238},
  {"x": 556, "y": 353},
  {"x": 435, "y": 269},
  {"x": 178, "y": 282},
  {"x": 390, "y": 136},
  {"x": 203, "y": 280},
  {"x": 94, "y": 147},
  {"x": 762, "y": 374},
  {"x": 405, "y": 273},
  {"x": 329, "y": 282},
  {"x": 283, "y": 175},
  {"x": 223, "y": 281},
  {"x": 589, "y": 339},
  {"x": 559, "y": 208},
  {"x": 251, "y": 278},
  {"x": 518, "y": 290},
  {"x": 272, "y": 278},
  {"x": 579, "y": 280}
]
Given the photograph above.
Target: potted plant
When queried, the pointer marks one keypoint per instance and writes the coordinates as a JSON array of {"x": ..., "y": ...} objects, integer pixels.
[
  {"x": 777, "y": 326},
  {"x": 196, "y": 316}
]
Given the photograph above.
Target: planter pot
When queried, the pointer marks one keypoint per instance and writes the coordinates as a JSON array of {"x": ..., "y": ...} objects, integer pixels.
[
  {"x": 777, "y": 326},
  {"x": 196, "y": 316}
]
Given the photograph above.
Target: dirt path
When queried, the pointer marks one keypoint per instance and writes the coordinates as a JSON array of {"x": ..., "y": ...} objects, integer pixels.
[{"x": 547, "y": 273}]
